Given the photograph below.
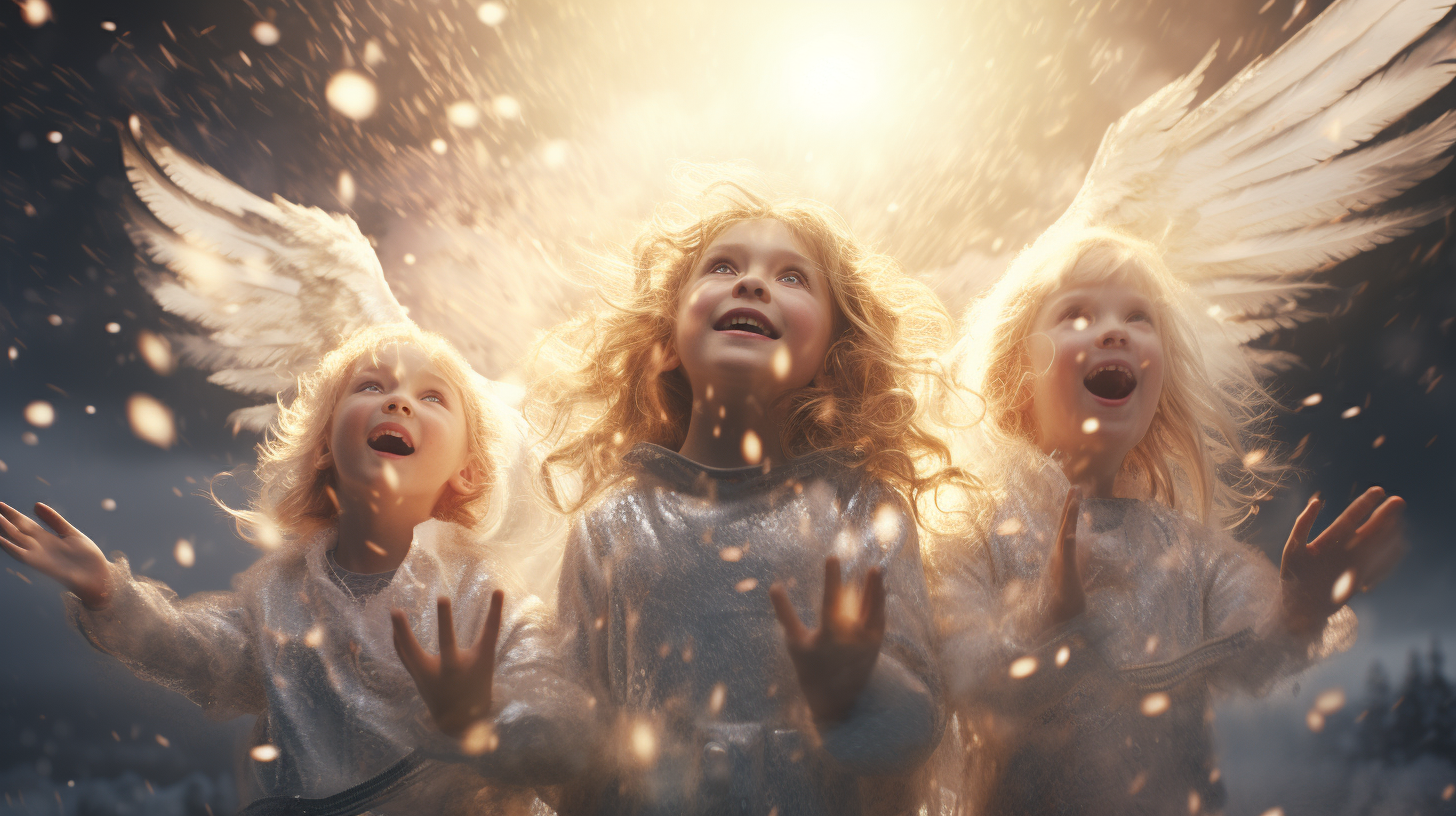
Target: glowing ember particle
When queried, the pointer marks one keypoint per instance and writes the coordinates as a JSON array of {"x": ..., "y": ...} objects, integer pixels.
[
  {"x": 150, "y": 420},
  {"x": 13, "y": 353},
  {"x": 781, "y": 362},
  {"x": 1023, "y": 667},
  {"x": 264, "y": 753},
  {"x": 644, "y": 743},
  {"x": 373, "y": 52},
  {"x": 752, "y": 448},
  {"x": 479, "y": 738},
  {"x": 1312, "y": 400},
  {"x": 1151, "y": 645},
  {"x": 1063, "y": 655},
  {"x": 1090, "y": 425},
  {"x": 156, "y": 351},
  {"x": 887, "y": 524},
  {"x": 1315, "y": 721},
  {"x": 1195, "y": 802},
  {"x": 391, "y": 476},
  {"x": 717, "y": 698},
  {"x": 54, "y": 320},
  {"x": 90, "y": 409},
  {"x": 266, "y": 33},
  {"x": 134, "y": 124},
  {"x": 492, "y": 13},
  {"x": 463, "y": 114},
  {"x": 1080, "y": 324},
  {"x": 113, "y": 328},
  {"x": 1379, "y": 440},
  {"x": 266, "y": 535},
  {"x": 1254, "y": 457},
  {"x": 439, "y": 146},
  {"x": 30, "y": 438},
  {"x": 1009, "y": 527},
  {"x": 163, "y": 741},
  {"x": 314, "y": 637},
  {"x": 54, "y": 137},
  {"x": 35, "y": 13},
  {"x": 1344, "y": 586},
  {"x": 506, "y": 107},
  {"x": 1274, "y": 811},
  {"x": 346, "y": 189},
  {"x": 1330, "y": 700},
  {"x": 183, "y": 552},
  {"x": 1351, "y": 412},
  {"x": 40, "y": 414},
  {"x": 746, "y": 585},
  {"x": 1138, "y": 783},
  {"x": 1446, "y": 795},
  {"x": 352, "y": 94},
  {"x": 1155, "y": 704},
  {"x": 555, "y": 154},
  {"x": 108, "y": 504},
  {"x": 409, "y": 259},
  {"x": 108, "y": 25},
  {"x": 731, "y": 554}
]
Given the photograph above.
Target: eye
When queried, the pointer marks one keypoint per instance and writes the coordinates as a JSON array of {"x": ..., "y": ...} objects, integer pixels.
[
  {"x": 1140, "y": 316},
  {"x": 793, "y": 277},
  {"x": 433, "y": 397},
  {"x": 721, "y": 268},
  {"x": 371, "y": 386}
]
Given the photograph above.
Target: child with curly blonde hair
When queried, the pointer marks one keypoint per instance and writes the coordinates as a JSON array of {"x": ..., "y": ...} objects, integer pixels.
[
  {"x": 1084, "y": 623},
  {"x": 739, "y": 420},
  {"x": 389, "y": 432}
]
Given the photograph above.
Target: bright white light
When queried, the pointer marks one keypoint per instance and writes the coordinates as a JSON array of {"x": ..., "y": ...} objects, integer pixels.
[
  {"x": 266, "y": 33},
  {"x": 352, "y": 94},
  {"x": 830, "y": 76},
  {"x": 463, "y": 114},
  {"x": 491, "y": 13}
]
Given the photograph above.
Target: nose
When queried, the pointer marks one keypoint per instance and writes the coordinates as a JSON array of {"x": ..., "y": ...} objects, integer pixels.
[
  {"x": 751, "y": 286},
  {"x": 398, "y": 406},
  {"x": 1115, "y": 337}
]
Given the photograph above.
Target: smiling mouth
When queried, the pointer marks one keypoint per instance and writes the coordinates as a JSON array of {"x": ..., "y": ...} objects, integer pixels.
[
  {"x": 739, "y": 321},
  {"x": 1110, "y": 382},
  {"x": 389, "y": 441}
]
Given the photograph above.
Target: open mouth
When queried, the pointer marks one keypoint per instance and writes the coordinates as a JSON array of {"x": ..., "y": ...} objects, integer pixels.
[
  {"x": 390, "y": 440},
  {"x": 1110, "y": 382},
  {"x": 747, "y": 320}
]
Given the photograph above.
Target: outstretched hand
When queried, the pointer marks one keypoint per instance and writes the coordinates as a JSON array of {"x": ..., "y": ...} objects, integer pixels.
[
  {"x": 834, "y": 662},
  {"x": 1064, "y": 597},
  {"x": 456, "y": 683},
  {"x": 65, "y": 555},
  {"x": 1354, "y": 553}
]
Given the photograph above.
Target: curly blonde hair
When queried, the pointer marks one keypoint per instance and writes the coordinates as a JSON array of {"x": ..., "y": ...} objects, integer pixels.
[
  {"x": 1207, "y": 451},
  {"x": 600, "y": 388},
  {"x": 293, "y": 499}
]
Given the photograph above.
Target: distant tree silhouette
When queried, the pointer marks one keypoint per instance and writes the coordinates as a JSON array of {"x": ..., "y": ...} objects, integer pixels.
[{"x": 1419, "y": 721}]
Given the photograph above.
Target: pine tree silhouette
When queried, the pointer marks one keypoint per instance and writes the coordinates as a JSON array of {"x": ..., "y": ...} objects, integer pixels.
[
  {"x": 1442, "y": 707},
  {"x": 1371, "y": 740},
  {"x": 1408, "y": 715}
]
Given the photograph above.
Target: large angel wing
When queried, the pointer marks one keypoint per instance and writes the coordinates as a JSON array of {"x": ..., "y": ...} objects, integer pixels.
[
  {"x": 275, "y": 285},
  {"x": 1270, "y": 180}
]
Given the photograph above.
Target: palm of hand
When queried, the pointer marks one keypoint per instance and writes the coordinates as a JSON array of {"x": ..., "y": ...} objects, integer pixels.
[
  {"x": 65, "y": 555},
  {"x": 834, "y": 661},
  {"x": 1354, "y": 553},
  {"x": 456, "y": 683}
]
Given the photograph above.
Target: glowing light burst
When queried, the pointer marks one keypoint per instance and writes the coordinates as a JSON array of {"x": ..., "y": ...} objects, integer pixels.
[
  {"x": 40, "y": 414},
  {"x": 150, "y": 420},
  {"x": 184, "y": 553},
  {"x": 352, "y": 94},
  {"x": 264, "y": 753}
]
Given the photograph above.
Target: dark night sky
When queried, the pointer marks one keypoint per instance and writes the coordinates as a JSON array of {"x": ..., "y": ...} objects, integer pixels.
[{"x": 66, "y": 271}]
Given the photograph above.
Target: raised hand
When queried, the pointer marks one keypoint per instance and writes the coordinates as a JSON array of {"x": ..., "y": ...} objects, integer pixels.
[
  {"x": 66, "y": 555},
  {"x": 1062, "y": 592},
  {"x": 1366, "y": 542},
  {"x": 456, "y": 683},
  {"x": 834, "y": 662}
]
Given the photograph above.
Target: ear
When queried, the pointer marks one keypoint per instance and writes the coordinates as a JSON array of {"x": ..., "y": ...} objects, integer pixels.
[
  {"x": 464, "y": 480},
  {"x": 325, "y": 459},
  {"x": 667, "y": 358}
]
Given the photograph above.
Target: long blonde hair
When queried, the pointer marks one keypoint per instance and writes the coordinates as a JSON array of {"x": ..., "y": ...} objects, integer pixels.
[
  {"x": 293, "y": 499},
  {"x": 600, "y": 387},
  {"x": 1207, "y": 451}
]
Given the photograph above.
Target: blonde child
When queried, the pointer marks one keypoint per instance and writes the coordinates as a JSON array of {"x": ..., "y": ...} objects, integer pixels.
[
  {"x": 736, "y": 424},
  {"x": 1084, "y": 627},
  {"x": 388, "y": 433}
]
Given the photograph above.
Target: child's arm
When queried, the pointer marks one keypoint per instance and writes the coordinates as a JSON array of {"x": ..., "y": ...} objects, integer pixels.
[{"x": 200, "y": 647}]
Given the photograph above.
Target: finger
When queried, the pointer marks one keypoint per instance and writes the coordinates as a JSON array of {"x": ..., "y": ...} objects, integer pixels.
[
  {"x": 830, "y": 609},
  {"x": 873, "y": 603},
  {"x": 1342, "y": 529},
  {"x": 55, "y": 520},
  {"x": 18, "y": 521},
  {"x": 490, "y": 634},
  {"x": 1067, "y": 532},
  {"x": 1294, "y": 548},
  {"x": 794, "y": 629},
  {"x": 411, "y": 653},
  {"x": 1380, "y": 543},
  {"x": 449, "y": 652},
  {"x": 15, "y": 551},
  {"x": 16, "y": 537}
]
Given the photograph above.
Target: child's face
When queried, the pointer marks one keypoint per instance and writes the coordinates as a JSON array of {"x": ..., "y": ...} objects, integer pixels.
[
  {"x": 1097, "y": 360},
  {"x": 755, "y": 314},
  {"x": 399, "y": 430}
]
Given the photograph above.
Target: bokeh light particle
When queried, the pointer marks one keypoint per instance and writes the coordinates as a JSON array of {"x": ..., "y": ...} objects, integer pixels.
[
  {"x": 36, "y": 13},
  {"x": 491, "y": 13},
  {"x": 40, "y": 414},
  {"x": 352, "y": 94},
  {"x": 150, "y": 420},
  {"x": 266, "y": 33}
]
